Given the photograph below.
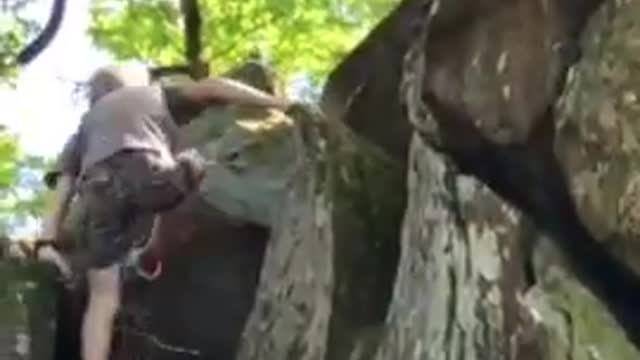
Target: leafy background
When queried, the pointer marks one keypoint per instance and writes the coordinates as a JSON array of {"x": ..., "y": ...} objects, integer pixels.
[
  {"x": 297, "y": 37},
  {"x": 22, "y": 195}
]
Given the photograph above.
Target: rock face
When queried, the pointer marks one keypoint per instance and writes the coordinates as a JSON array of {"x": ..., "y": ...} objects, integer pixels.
[
  {"x": 28, "y": 308},
  {"x": 464, "y": 289},
  {"x": 352, "y": 236},
  {"x": 252, "y": 160},
  {"x": 327, "y": 276},
  {"x": 596, "y": 144},
  {"x": 465, "y": 286}
]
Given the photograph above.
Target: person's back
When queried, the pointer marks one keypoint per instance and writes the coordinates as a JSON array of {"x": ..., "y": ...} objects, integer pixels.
[{"x": 129, "y": 118}]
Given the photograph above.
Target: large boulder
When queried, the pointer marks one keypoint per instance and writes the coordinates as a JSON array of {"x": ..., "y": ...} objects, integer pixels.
[
  {"x": 346, "y": 235},
  {"x": 251, "y": 154}
]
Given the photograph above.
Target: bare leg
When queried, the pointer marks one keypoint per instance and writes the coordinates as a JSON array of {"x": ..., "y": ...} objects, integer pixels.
[{"x": 104, "y": 301}]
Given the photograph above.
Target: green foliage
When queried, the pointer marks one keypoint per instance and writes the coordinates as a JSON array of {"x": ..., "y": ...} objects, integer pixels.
[
  {"x": 22, "y": 195},
  {"x": 294, "y": 35},
  {"x": 8, "y": 165},
  {"x": 14, "y": 31},
  {"x": 11, "y": 40}
]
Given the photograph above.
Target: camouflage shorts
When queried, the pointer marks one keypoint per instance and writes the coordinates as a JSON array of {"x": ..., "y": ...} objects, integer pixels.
[{"x": 122, "y": 195}]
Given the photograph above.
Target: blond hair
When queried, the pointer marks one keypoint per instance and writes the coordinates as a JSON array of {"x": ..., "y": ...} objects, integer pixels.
[{"x": 111, "y": 77}]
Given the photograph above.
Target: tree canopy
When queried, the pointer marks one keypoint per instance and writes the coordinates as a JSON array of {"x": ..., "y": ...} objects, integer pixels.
[
  {"x": 295, "y": 36},
  {"x": 14, "y": 30},
  {"x": 22, "y": 194}
]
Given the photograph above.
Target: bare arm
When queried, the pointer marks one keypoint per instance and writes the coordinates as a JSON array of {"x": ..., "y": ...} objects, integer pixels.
[
  {"x": 227, "y": 90},
  {"x": 55, "y": 215},
  {"x": 62, "y": 181}
]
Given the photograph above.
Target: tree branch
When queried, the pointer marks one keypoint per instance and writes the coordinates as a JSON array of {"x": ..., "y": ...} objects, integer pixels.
[
  {"x": 161, "y": 71},
  {"x": 31, "y": 51},
  {"x": 192, "y": 38}
]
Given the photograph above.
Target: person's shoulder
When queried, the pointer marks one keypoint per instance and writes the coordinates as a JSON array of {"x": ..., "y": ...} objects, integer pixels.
[{"x": 128, "y": 94}]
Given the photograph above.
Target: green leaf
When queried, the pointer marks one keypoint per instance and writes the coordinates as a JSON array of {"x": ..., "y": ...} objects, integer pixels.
[
  {"x": 21, "y": 191},
  {"x": 296, "y": 35}
]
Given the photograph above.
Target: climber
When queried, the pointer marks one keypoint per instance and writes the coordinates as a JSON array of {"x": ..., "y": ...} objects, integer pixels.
[{"x": 126, "y": 164}]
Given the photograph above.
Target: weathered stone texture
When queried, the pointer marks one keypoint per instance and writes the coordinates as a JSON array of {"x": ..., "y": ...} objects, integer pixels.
[
  {"x": 28, "y": 299},
  {"x": 455, "y": 295}
]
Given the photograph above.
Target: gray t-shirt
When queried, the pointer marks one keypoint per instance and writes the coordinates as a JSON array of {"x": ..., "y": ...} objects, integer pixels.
[
  {"x": 137, "y": 118},
  {"x": 129, "y": 118}
]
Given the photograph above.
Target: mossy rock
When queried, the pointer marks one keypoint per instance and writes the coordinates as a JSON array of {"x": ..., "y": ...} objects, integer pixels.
[{"x": 28, "y": 298}]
